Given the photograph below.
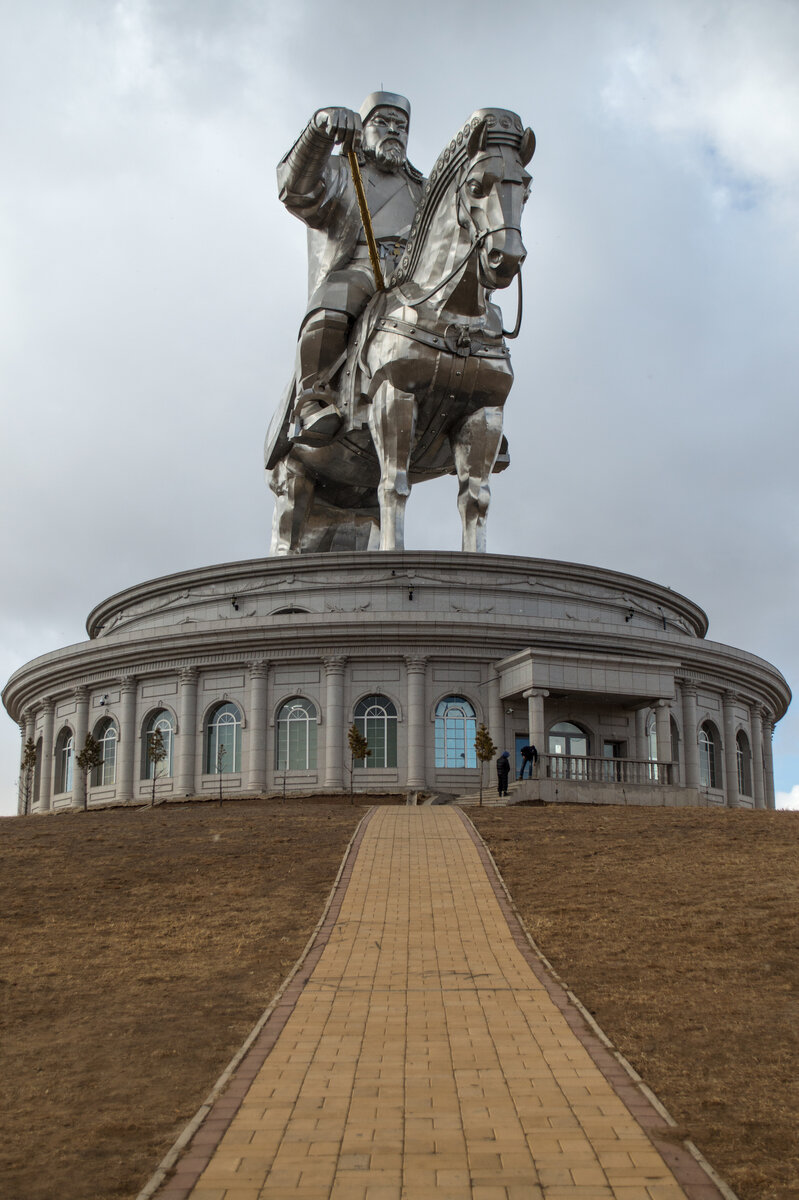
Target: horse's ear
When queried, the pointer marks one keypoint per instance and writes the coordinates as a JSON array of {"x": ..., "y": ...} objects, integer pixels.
[
  {"x": 527, "y": 148},
  {"x": 477, "y": 139}
]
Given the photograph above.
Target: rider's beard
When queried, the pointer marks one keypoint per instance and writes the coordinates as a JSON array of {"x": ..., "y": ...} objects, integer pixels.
[{"x": 389, "y": 154}]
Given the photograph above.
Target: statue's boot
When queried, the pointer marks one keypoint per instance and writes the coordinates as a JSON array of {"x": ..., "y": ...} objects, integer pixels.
[{"x": 323, "y": 341}]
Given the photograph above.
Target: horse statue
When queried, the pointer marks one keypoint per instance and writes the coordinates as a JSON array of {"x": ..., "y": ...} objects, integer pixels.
[{"x": 427, "y": 370}]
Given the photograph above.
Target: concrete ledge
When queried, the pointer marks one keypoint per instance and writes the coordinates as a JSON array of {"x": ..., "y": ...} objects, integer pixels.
[{"x": 574, "y": 791}]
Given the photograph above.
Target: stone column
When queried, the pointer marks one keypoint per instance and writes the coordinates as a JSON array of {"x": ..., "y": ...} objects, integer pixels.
[
  {"x": 535, "y": 718},
  {"x": 663, "y": 735},
  {"x": 730, "y": 748},
  {"x": 641, "y": 742},
  {"x": 536, "y": 730},
  {"x": 334, "y": 719},
  {"x": 80, "y": 784},
  {"x": 257, "y": 726},
  {"x": 690, "y": 735},
  {"x": 496, "y": 714},
  {"x": 27, "y": 726},
  {"x": 758, "y": 780},
  {"x": 186, "y": 741},
  {"x": 126, "y": 746},
  {"x": 768, "y": 733},
  {"x": 417, "y": 723},
  {"x": 46, "y": 778}
]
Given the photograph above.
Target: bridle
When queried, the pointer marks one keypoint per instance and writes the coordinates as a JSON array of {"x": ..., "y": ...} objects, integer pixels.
[{"x": 475, "y": 245}]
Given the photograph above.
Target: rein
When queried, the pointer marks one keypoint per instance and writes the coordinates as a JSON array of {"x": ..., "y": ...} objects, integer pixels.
[{"x": 475, "y": 245}]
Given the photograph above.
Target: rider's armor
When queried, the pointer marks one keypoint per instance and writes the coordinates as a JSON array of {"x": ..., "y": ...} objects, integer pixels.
[{"x": 317, "y": 186}]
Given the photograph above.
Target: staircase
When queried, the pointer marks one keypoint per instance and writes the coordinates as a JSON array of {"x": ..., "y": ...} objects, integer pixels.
[{"x": 490, "y": 797}]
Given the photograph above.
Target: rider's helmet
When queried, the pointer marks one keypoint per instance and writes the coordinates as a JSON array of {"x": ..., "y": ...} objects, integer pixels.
[{"x": 384, "y": 100}]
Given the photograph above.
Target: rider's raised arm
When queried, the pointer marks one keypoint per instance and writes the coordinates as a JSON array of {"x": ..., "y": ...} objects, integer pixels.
[{"x": 302, "y": 175}]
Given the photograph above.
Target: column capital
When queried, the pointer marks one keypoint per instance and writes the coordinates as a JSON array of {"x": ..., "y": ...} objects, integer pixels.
[
  {"x": 688, "y": 687},
  {"x": 258, "y": 668},
  {"x": 415, "y": 665},
  {"x": 188, "y": 675},
  {"x": 127, "y": 683},
  {"x": 48, "y": 705},
  {"x": 729, "y": 695},
  {"x": 334, "y": 663},
  {"x": 81, "y": 693},
  {"x": 535, "y": 694},
  {"x": 662, "y": 703}
]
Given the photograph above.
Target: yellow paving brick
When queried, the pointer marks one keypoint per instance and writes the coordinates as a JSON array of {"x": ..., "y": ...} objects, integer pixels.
[{"x": 425, "y": 1059}]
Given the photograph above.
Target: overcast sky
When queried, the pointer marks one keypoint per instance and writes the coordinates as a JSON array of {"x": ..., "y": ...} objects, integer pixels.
[{"x": 151, "y": 286}]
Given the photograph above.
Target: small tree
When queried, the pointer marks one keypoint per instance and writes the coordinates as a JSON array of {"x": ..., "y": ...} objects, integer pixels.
[
  {"x": 91, "y": 756},
  {"x": 28, "y": 768},
  {"x": 485, "y": 750},
  {"x": 156, "y": 753},
  {"x": 359, "y": 748},
  {"x": 221, "y": 751}
]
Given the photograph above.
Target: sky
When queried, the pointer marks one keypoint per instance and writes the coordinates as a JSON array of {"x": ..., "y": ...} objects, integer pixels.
[{"x": 151, "y": 287}]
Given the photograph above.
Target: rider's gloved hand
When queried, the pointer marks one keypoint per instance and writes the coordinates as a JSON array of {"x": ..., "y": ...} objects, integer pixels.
[{"x": 341, "y": 125}]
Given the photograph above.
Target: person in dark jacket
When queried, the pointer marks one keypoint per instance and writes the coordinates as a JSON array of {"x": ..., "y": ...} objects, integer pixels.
[
  {"x": 529, "y": 756},
  {"x": 503, "y": 772}
]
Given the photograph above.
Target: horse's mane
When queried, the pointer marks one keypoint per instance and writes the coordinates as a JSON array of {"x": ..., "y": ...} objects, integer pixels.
[{"x": 502, "y": 128}]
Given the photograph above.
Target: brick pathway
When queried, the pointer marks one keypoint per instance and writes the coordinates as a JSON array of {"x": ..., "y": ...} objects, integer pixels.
[{"x": 430, "y": 1055}]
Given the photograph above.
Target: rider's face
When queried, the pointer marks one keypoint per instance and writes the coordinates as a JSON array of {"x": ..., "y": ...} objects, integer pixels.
[{"x": 385, "y": 137}]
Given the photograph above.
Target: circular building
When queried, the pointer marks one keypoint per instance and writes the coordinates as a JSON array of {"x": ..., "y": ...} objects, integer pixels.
[{"x": 258, "y": 669}]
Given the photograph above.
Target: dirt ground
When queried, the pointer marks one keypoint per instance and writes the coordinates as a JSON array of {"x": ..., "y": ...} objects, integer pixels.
[
  {"x": 679, "y": 930},
  {"x": 139, "y": 947}
]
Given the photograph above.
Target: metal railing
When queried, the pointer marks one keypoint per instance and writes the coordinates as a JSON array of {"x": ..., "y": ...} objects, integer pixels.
[{"x": 580, "y": 767}]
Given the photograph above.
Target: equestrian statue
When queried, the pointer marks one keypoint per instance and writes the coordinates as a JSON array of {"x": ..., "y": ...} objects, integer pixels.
[{"x": 402, "y": 365}]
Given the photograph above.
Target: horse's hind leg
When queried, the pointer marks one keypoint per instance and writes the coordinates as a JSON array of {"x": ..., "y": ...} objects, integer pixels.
[
  {"x": 392, "y": 423},
  {"x": 475, "y": 446},
  {"x": 294, "y": 493}
]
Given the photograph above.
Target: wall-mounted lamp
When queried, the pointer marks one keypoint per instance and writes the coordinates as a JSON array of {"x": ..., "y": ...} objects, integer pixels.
[
  {"x": 235, "y": 603},
  {"x": 410, "y": 593},
  {"x": 104, "y": 699},
  {"x": 630, "y": 615}
]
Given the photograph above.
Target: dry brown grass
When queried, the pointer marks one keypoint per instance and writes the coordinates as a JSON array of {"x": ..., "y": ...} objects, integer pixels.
[
  {"x": 138, "y": 949},
  {"x": 678, "y": 930}
]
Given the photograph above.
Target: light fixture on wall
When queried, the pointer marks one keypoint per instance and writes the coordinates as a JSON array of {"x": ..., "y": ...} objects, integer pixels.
[
  {"x": 103, "y": 700},
  {"x": 235, "y": 603}
]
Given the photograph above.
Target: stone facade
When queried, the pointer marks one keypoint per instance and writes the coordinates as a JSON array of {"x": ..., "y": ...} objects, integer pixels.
[{"x": 272, "y": 660}]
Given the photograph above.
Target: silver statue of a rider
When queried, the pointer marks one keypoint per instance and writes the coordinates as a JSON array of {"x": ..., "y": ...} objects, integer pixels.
[{"x": 317, "y": 186}]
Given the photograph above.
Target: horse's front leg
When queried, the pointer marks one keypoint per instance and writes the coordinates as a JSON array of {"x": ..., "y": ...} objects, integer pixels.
[
  {"x": 392, "y": 423},
  {"x": 475, "y": 446},
  {"x": 294, "y": 493}
]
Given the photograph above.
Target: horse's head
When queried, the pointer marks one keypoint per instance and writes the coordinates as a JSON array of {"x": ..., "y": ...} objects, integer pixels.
[
  {"x": 492, "y": 192},
  {"x": 475, "y": 193}
]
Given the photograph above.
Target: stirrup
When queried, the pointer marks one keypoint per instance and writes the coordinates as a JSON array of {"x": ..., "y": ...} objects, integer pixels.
[{"x": 315, "y": 428}]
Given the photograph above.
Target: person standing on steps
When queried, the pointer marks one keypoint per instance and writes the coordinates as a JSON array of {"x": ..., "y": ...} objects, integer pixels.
[
  {"x": 503, "y": 772},
  {"x": 529, "y": 756}
]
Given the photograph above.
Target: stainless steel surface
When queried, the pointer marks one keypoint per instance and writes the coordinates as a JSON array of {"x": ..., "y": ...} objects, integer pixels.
[{"x": 425, "y": 371}]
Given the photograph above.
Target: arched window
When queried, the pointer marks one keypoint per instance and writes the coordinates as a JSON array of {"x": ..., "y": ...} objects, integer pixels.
[
  {"x": 456, "y": 729},
  {"x": 106, "y": 773},
  {"x": 744, "y": 764},
  {"x": 64, "y": 750},
  {"x": 651, "y": 738},
  {"x": 569, "y": 739},
  {"x": 223, "y": 741},
  {"x": 158, "y": 722},
  {"x": 296, "y": 736},
  {"x": 709, "y": 773},
  {"x": 376, "y": 718}
]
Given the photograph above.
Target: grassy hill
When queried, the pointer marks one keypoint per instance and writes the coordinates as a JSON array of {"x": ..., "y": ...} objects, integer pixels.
[{"x": 139, "y": 947}]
